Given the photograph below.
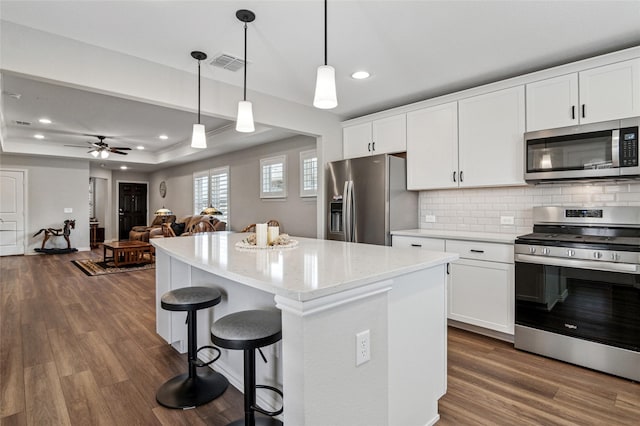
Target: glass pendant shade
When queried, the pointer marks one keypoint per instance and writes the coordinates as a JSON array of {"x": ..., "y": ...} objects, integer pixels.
[
  {"x": 95, "y": 154},
  {"x": 325, "y": 97},
  {"x": 104, "y": 154},
  {"x": 245, "y": 117},
  {"x": 198, "y": 138}
]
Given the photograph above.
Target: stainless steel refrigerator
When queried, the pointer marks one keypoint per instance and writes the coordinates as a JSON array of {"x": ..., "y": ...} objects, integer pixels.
[{"x": 367, "y": 199}]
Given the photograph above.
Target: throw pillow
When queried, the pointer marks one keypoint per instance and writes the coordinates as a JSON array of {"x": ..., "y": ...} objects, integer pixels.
[{"x": 178, "y": 228}]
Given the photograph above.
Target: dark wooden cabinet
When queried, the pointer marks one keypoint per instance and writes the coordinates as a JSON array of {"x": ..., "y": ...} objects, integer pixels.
[{"x": 96, "y": 234}]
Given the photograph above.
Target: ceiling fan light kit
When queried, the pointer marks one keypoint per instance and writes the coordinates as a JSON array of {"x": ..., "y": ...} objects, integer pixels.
[
  {"x": 244, "y": 121},
  {"x": 325, "y": 95},
  {"x": 198, "y": 137}
]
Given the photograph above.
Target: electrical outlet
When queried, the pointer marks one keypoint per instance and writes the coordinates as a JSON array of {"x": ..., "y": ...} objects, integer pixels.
[
  {"x": 430, "y": 218},
  {"x": 68, "y": 210},
  {"x": 506, "y": 220},
  {"x": 363, "y": 347}
]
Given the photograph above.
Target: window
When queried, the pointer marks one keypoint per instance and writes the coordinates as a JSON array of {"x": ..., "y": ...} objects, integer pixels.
[
  {"x": 273, "y": 177},
  {"x": 211, "y": 187},
  {"x": 308, "y": 173}
]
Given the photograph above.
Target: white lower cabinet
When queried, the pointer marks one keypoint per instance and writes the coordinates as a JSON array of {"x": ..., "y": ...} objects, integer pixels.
[
  {"x": 482, "y": 293},
  {"x": 481, "y": 284}
]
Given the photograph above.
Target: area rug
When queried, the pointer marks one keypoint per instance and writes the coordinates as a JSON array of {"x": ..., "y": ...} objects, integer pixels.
[{"x": 93, "y": 268}]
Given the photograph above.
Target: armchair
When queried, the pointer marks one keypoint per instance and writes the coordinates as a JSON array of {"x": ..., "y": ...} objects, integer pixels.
[
  {"x": 142, "y": 232},
  {"x": 190, "y": 225}
]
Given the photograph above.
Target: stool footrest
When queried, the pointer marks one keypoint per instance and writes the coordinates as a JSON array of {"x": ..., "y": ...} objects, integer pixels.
[
  {"x": 262, "y": 410},
  {"x": 199, "y": 363}
]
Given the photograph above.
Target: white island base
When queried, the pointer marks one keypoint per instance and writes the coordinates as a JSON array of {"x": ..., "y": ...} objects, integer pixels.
[{"x": 328, "y": 292}]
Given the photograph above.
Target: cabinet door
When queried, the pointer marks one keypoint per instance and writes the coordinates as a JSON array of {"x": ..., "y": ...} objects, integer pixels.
[
  {"x": 610, "y": 92},
  {"x": 490, "y": 144},
  {"x": 482, "y": 294},
  {"x": 356, "y": 141},
  {"x": 390, "y": 135},
  {"x": 432, "y": 147},
  {"x": 553, "y": 103}
]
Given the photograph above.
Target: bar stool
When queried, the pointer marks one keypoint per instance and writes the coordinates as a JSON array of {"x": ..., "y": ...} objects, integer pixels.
[
  {"x": 248, "y": 331},
  {"x": 193, "y": 388}
]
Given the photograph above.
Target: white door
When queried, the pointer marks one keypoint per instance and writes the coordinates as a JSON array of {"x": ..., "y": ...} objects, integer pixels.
[
  {"x": 11, "y": 212},
  {"x": 432, "y": 147},
  {"x": 610, "y": 92},
  {"x": 553, "y": 103}
]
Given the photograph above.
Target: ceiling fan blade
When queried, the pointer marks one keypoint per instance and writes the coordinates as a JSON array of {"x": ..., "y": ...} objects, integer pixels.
[
  {"x": 118, "y": 152},
  {"x": 79, "y": 146},
  {"x": 122, "y": 148}
]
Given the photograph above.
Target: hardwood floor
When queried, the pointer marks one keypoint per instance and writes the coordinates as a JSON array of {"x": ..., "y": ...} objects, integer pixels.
[{"x": 78, "y": 350}]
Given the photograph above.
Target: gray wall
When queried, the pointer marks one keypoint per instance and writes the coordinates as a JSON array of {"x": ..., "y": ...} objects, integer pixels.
[
  {"x": 52, "y": 185},
  {"x": 297, "y": 215}
]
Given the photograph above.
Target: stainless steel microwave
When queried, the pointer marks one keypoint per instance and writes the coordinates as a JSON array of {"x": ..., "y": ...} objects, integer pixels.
[{"x": 591, "y": 151}]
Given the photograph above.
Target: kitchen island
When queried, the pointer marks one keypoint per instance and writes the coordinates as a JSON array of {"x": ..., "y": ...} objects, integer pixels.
[{"x": 328, "y": 292}]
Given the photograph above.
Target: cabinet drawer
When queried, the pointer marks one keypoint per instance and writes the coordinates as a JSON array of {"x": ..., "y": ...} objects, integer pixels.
[
  {"x": 435, "y": 244},
  {"x": 493, "y": 252}
]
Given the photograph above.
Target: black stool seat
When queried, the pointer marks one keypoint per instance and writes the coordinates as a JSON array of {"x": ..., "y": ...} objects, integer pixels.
[
  {"x": 190, "y": 298},
  {"x": 248, "y": 331},
  {"x": 193, "y": 388}
]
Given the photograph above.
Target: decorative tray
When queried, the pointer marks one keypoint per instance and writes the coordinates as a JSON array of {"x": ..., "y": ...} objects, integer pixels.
[{"x": 282, "y": 242}]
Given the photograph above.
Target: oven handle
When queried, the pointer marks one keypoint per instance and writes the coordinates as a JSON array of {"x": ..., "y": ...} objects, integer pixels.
[{"x": 579, "y": 264}]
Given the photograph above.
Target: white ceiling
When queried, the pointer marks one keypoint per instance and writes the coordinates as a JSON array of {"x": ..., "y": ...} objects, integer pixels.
[{"x": 414, "y": 50}]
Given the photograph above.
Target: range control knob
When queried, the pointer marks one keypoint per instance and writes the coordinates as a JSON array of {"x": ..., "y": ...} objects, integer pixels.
[
  {"x": 545, "y": 251},
  {"x": 615, "y": 256},
  {"x": 532, "y": 250},
  {"x": 571, "y": 253},
  {"x": 597, "y": 254}
]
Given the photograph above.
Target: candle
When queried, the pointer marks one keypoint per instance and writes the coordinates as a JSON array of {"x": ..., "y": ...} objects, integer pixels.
[
  {"x": 272, "y": 234},
  {"x": 261, "y": 234}
]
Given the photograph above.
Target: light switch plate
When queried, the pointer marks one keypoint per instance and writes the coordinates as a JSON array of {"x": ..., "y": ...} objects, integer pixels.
[
  {"x": 430, "y": 218},
  {"x": 68, "y": 210},
  {"x": 506, "y": 220}
]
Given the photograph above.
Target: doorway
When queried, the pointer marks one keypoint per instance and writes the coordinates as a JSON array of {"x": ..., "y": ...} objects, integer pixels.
[
  {"x": 132, "y": 207},
  {"x": 11, "y": 212}
]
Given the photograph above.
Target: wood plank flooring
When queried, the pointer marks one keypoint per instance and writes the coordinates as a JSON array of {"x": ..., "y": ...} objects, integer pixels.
[{"x": 78, "y": 350}]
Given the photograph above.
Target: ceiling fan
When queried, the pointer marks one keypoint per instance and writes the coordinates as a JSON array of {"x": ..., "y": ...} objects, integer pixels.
[{"x": 102, "y": 149}]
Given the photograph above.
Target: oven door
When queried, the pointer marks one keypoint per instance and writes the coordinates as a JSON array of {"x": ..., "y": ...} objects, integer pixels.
[{"x": 598, "y": 306}]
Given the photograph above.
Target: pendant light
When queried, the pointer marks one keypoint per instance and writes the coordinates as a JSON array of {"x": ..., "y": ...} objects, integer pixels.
[
  {"x": 325, "y": 97},
  {"x": 198, "y": 138},
  {"x": 244, "y": 123}
]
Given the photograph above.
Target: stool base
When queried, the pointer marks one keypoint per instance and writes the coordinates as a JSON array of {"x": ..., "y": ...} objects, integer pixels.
[
  {"x": 184, "y": 392},
  {"x": 260, "y": 421}
]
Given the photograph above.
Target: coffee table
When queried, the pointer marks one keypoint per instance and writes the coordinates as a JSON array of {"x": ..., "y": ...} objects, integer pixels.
[{"x": 128, "y": 252}]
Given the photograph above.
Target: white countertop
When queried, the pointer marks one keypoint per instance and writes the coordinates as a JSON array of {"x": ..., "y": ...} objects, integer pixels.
[
  {"x": 488, "y": 237},
  {"x": 312, "y": 269}
]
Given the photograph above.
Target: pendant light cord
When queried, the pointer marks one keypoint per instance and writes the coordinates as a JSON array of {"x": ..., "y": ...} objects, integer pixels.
[
  {"x": 325, "y": 32},
  {"x": 198, "y": 91},
  {"x": 245, "y": 61}
]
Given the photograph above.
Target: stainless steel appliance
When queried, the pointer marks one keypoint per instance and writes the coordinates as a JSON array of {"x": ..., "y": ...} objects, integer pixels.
[
  {"x": 591, "y": 151},
  {"x": 578, "y": 287},
  {"x": 368, "y": 198}
]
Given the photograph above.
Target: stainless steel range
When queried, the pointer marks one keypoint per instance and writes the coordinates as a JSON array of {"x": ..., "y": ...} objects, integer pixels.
[{"x": 578, "y": 287}]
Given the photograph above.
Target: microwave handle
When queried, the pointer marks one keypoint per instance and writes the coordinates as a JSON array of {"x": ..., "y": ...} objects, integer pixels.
[{"x": 615, "y": 148}]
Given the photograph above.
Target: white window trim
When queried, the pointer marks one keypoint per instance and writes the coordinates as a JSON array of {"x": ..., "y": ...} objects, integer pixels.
[
  {"x": 196, "y": 175},
  {"x": 305, "y": 155},
  {"x": 281, "y": 159}
]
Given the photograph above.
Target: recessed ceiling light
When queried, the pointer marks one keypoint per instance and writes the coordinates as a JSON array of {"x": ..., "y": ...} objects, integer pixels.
[
  {"x": 359, "y": 75},
  {"x": 38, "y": 136},
  {"x": 45, "y": 121},
  {"x": 163, "y": 137},
  {"x": 123, "y": 167},
  {"x": 140, "y": 147}
]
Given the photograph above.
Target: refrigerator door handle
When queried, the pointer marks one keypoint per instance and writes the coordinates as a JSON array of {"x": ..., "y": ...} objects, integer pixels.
[
  {"x": 352, "y": 216},
  {"x": 345, "y": 211}
]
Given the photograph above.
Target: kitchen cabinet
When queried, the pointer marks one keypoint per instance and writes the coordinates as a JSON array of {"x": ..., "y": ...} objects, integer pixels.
[
  {"x": 490, "y": 139},
  {"x": 432, "y": 147},
  {"x": 470, "y": 143},
  {"x": 383, "y": 136},
  {"x": 598, "y": 94},
  {"x": 480, "y": 285}
]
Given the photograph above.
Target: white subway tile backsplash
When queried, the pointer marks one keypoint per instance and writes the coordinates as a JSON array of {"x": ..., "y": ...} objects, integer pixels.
[{"x": 479, "y": 210}]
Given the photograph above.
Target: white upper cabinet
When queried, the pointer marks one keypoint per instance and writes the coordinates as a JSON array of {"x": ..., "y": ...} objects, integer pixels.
[
  {"x": 383, "y": 136},
  {"x": 432, "y": 147},
  {"x": 491, "y": 128},
  {"x": 552, "y": 103},
  {"x": 610, "y": 92},
  {"x": 598, "y": 94}
]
